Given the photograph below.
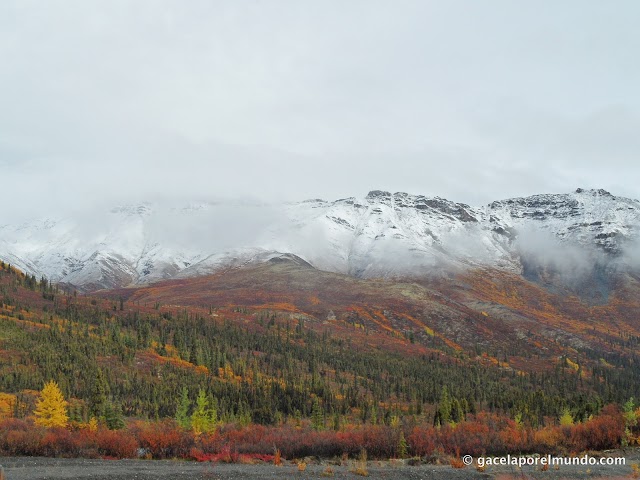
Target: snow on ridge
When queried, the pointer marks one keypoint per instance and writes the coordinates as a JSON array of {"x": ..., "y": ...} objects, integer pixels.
[{"x": 381, "y": 234}]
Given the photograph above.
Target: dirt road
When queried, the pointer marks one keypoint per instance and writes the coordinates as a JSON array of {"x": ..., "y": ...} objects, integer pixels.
[{"x": 36, "y": 468}]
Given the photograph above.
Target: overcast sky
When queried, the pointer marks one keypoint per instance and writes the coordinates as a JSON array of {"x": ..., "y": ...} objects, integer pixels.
[{"x": 118, "y": 101}]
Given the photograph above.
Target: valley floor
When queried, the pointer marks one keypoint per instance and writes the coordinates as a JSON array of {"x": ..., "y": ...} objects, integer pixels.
[{"x": 38, "y": 468}]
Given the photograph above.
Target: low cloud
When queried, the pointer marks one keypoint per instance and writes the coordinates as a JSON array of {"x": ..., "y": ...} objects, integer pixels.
[
  {"x": 110, "y": 102},
  {"x": 543, "y": 249}
]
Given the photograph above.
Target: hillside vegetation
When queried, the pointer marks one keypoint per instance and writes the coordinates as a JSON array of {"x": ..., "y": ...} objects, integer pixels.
[{"x": 294, "y": 349}]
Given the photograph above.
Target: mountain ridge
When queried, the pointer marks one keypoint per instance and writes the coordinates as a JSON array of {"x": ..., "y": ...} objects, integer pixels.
[{"x": 383, "y": 234}]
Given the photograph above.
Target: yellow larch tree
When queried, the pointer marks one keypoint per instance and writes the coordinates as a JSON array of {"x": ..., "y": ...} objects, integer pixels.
[
  {"x": 7, "y": 404},
  {"x": 51, "y": 408}
]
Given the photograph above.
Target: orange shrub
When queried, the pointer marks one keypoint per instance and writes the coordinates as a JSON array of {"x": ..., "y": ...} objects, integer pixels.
[
  {"x": 379, "y": 441},
  {"x": 210, "y": 442},
  {"x": 226, "y": 455},
  {"x": 164, "y": 439},
  {"x": 60, "y": 442},
  {"x": 422, "y": 441},
  {"x": 469, "y": 438},
  {"x": 199, "y": 456},
  {"x": 18, "y": 437},
  {"x": 483, "y": 434},
  {"x": 600, "y": 433},
  {"x": 547, "y": 440},
  {"x": 116, "y": 443},
  {"x": 277, "y": 458},
  {"x": 516, "y": 439}
]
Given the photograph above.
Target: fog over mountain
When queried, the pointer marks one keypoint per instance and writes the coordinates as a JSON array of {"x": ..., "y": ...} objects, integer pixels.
[
  {"x": 570, "y": 237},
  {"x": 149, "y": 140}
]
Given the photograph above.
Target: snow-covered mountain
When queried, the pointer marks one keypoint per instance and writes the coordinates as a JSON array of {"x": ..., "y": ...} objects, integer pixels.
[{"x": 383, "y": 234}]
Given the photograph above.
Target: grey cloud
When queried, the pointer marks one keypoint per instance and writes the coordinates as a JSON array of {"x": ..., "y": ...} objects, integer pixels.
[
  {"x": 543, "y": 249},
  {"x": 114, "y": 101}
]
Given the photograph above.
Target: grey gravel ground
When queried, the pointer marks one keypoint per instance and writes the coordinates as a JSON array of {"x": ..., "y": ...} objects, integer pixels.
[{"x": 36, "y": 468}]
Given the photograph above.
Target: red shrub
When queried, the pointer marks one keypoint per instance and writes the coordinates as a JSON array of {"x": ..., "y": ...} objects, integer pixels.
[
  {"x": 422, "y": 441},
  {"x": 299, "y": 443},
  {"x": 226, "y": 455},
  {"x": 262, "y": 457},
  {"x": 60, "y": 442},
  {"x": 19, "y": 437},
  {"x": 600, "y": 433},
  {"x": 12, "y": 424},
  {"x": 24, "y": 442},
  {"x": 379, "y": 441},
  {"x": 87, "y": 439},
  {"x": 163, "y": 439},
  {"x": 20, "y": 441},
  {"x": 516, "y": 439},
  {"x": 199, "y": 456},
  {"x": 117, "y": 444},
  {"x": 258, "y": 439},
  {"x": 470, "y": 438},
  {"x": 483, "y": 434},
  {"x": 210, "y": 443},
  {"x": 250, "y": 439}
]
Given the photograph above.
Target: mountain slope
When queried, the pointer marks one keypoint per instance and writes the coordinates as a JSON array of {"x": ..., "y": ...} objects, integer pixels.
[
  {"x": 489, "y": 309},
  {"x": 277, "y": 336}
]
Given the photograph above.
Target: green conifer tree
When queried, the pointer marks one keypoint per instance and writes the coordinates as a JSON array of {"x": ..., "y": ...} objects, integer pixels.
[
  {"x": 204, "y": 418},
  {"x": 317, "y": 415},
  {"x": 113, "y": 416},
  {"x": 182, "y": 409},
  {"x": 444, "y": 406},
  {"x": 403, "y": 447},
  {"x": 99, "y": 396}
]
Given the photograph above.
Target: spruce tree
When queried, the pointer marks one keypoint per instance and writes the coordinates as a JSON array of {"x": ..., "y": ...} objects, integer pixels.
[
  {"x": 113, "y": 416},
  {"x": 403, "y": 446},
  {"x": 444, "y": 406},
  {"x": 182, "y": 409},
  {"x": 99, "y": 392},
  {"x": 317, "y": 415}
]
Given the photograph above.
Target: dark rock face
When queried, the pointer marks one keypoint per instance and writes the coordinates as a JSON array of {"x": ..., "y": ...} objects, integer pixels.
[
  {"x": 540, "y": 207},
  {"x": 456, "y": 210},
  {"x": 379, "y": 195},
  {"x": 400, "y": 200},
  {"x": 291, "y": 259},
  {"x": 592, "y": 218}
]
